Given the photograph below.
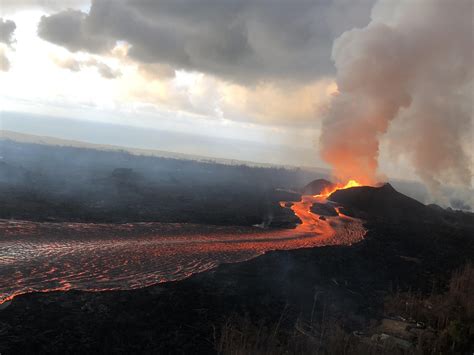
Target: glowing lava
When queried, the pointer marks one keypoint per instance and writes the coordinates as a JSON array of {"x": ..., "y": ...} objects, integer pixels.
[
  {"x": 326, "y": 227},
  {"x": 46, "y": 256},
  {"x": 339, "y": 186}
]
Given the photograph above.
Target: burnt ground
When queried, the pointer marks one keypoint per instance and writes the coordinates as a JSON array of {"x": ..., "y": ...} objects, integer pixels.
[
  {"x": 185, "y": 317},
  {"x": 57, "y": 184},
  {"x": 408, "y": 247}
]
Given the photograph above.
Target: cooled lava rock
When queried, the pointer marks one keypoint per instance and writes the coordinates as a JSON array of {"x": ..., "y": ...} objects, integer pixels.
[
  {"x": 382, "y": 201},
  {"x": 348, "y": 212},
  {"x": 351, "y": 284},
  {"x": 317, "y": 186},
  {"x": 323, "y": 209}
]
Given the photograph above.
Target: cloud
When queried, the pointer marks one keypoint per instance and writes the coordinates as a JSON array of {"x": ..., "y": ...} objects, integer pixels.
[
  {"x": 77, "y": 65},
  {"x": 243, "y": 41},
  {"x": 156, "y": 71},
  {"x": 7, "y": 27},
  {"x": 105, "y": 71},
  {"x": 292, "y": 105},
  {"x": 4, "y": 62},
  {"x": 151, "y": 71},
  {"x": 68, "y": 63},
  {"x": 13, "y": 6},
  {"x": 70, "y": 29}
]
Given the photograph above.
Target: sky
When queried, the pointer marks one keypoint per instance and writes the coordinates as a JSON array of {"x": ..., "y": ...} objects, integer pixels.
[
  {"x": 259, "y": 73},
  {"x": 239, "y": 70}
]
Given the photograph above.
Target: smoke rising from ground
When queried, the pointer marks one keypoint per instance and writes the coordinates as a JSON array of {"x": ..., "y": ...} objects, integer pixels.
[{"x": 411, "y": 64}]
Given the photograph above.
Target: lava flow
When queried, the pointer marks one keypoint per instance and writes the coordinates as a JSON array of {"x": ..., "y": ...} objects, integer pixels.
[
  {"x": 338, "y": 186},
  {"x": 42, "y": 256},
  {"x": 312, "y": 222}
]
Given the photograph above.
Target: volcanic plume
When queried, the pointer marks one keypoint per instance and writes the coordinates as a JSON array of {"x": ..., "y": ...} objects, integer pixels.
[{"x": 412, "y": 65}]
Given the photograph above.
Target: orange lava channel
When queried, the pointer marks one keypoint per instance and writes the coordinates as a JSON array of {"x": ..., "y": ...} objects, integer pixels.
[{"x": 43, "y": 257}]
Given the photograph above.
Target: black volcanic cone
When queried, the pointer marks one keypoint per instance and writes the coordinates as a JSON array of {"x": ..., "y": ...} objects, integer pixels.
[
  {"x": 316, "y": 187},
  {"x": 382, "y": 201}
]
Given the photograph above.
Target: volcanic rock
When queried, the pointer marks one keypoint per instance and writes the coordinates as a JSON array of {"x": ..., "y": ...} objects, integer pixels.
[
  {"x": 14, "y": 174},
  {"x": 317, "y": 186},
  {"x": 348, "y": 212},
  {"x": 185, "y": 316},
  {"x": 323, "y": 209},
  {"x": 384, "y": 201},
  {"x": 435, "y": 207}
]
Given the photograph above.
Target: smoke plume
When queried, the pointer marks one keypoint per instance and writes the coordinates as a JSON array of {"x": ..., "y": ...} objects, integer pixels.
[{"x": 413, "y": 63}]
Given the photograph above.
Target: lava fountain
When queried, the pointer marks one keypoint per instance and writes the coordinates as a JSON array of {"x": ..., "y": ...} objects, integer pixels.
[{"x": 338, "y": 186}]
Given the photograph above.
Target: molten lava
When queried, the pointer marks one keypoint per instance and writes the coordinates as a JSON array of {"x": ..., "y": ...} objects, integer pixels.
[
  {"x": 311, "y": 222},
  {"x": 338, "y": 186},
  {"x": 42, "y": 256}
]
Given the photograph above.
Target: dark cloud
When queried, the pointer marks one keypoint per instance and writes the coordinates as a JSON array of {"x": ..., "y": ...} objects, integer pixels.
[
  {"x": 70, "y": 29},
  {"x": 12, "y": 6},
  {"x": 7, "y": 27},
  {"x": 241, "y": 40}
]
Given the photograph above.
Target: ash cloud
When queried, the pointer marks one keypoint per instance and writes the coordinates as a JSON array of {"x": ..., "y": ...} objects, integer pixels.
[
  {"x": 244, "y": 41},
  {"x": 411, "y": 66}
]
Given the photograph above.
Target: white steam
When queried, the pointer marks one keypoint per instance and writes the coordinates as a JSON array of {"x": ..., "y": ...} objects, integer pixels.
[{"x": 413, "y": 63}]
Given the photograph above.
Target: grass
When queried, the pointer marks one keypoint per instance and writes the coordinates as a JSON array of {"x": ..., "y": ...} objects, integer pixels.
[
  {"x": 445, "y": 320},
  {"x": 450, "y": 314}
]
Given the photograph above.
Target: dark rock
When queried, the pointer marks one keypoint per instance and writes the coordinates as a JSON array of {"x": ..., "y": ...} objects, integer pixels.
[
  {"x": 435, "y": 207},
  {"x": 281, "y": 217},
  {"x": 383, "y": 202},
  {"x": 350, "y": 212},
  {"x": 323, "y": 209},
  {"x": 458, "y": 204},
  {"x": 285, "y": 195},
  {"x": 183, "y": 317},
  {"x": 316, "y": 187}
]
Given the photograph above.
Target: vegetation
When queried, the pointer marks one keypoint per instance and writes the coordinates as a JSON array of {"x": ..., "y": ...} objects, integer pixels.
[
  {"x": 441, "y": 323},
  {"x": 449, "y": 314}
]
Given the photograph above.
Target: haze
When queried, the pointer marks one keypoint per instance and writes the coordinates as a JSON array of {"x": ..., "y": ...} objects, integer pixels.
[{"x": 244, "y": 80}]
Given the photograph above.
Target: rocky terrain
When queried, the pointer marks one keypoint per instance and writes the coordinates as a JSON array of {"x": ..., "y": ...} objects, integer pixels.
[
  {"x": 294, "y": 292},
  {"x": 57, "y": 184}
]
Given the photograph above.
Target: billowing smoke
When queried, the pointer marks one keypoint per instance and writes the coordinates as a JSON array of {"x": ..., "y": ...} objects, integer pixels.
[{"x": 413, "y": 65}]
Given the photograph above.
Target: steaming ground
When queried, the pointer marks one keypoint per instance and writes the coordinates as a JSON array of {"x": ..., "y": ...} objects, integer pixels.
[{"x": 45, "y": 256}]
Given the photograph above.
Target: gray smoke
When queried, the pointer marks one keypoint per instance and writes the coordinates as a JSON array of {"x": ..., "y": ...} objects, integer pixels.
[{"x": 413, "y": 64}]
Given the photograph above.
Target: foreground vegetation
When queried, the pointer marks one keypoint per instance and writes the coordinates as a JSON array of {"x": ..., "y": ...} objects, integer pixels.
[{"x": 440, "y": 323}]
